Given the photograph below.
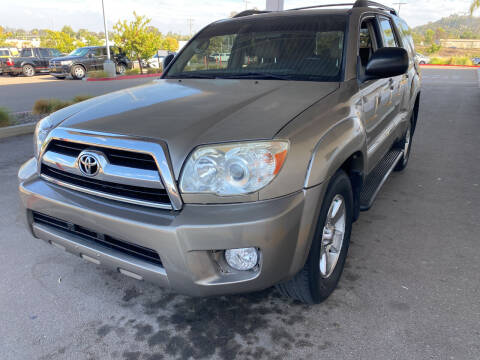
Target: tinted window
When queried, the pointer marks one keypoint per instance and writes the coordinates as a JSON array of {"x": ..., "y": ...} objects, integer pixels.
[
  {"x": 45, "y": 52},
  {"x": 387, "y": 33},
  {"x": 293, "y": 48},
  {"x": 26, "y": 53},
  {"x": 4, "y": 53},
  {"x": 80, "y": 52}
]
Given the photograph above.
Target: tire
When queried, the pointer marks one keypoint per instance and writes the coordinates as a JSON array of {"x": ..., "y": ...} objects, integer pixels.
[
  {"x": 121, "y": 69},
  {"x": 28, "y": 70},
  {"x": 422, "y": 62},
  {"x": 78, "y": 72},
  {"x": 60, "y": 77},
  {"x": 406, "y": 145},
  {"x": 310, "y": 286}
]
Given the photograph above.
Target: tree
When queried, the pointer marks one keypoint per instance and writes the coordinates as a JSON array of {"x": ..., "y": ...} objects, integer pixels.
[
  {"x": 68, "y": 30},
  {"x": 440, "y": 33},
  {"x": 429, "y": 34},
  {"x": 3, "y": 37},
  {"x": 475, "y": 5},
  {"x": 170, "y": 44},
  {"x": 135, "y": 39},
  {"x": 61, "y": 41}
]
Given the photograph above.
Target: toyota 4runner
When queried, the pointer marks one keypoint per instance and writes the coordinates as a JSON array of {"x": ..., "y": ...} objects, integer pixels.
[{"x": 232, "y": 176}]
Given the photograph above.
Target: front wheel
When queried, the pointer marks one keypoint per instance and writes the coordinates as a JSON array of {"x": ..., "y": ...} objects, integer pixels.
[
  {"x": 406, "y": 145},
  {"x": 78, "y": 72},
  {"x": 321, "y": 273},
  {"x": 28, "y": 70}
]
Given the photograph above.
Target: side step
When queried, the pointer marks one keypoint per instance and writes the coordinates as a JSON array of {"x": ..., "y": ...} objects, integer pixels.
[{"x": 375, "y": 180}]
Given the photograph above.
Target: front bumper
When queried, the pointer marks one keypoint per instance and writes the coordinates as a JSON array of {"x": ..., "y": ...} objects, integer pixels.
[{"x": 188, "y": 241}]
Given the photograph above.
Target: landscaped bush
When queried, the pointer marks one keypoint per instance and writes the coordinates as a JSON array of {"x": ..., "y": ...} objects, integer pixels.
[
  {"x": 438, "y": 61},
  {"x": 4, "y": 117},
  {"x": 132, "y": 72},
  {"x": 99, "y": 74},
  {"x": 154, "y": 71},
  {"x": 80, "y": 98},
  {"x": 47, "y": 106},
  {"x": 459, "y": 60}
]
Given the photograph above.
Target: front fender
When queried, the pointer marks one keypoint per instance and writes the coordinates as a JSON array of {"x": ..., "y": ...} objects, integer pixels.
[{"x": 335, "y": 147}]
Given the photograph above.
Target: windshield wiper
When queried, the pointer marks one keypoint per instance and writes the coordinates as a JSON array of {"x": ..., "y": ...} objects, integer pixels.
[{"x": 258, "y": 75}]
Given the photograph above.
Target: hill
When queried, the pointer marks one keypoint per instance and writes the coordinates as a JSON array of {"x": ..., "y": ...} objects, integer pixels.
[{"x": 455, "y": 27}]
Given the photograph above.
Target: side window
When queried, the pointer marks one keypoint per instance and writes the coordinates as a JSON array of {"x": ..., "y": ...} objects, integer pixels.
[
  {"x": 97, "y": 52},
  {"x": 26, "y": 53},
  {"x": 387, "y": 33},
  {"x": 44, "y": 52},
  {"x": 368, "y": 42}
]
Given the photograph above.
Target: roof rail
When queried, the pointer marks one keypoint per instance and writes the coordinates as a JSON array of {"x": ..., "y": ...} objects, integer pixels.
[
  {"x": 358, "y": 3},
  {"x": 365, "y": 3},
  {"x": 322, "y": 6},
  {"x": 250, "y": 12}
]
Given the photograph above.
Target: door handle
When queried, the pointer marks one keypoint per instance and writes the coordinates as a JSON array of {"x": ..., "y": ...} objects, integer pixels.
[{"x": 390, "y": 81}]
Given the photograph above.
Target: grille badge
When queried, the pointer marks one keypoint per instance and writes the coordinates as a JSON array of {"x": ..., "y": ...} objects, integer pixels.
[{"x": 89, "y": 163}]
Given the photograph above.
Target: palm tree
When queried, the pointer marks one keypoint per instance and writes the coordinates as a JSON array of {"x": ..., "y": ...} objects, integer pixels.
[{"x": 475, "y": 5}]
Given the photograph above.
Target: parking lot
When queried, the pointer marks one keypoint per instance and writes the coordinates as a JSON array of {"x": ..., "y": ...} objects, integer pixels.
[
  {"x": 20, "y": 93},
  {"x": 410, "y": 288}
]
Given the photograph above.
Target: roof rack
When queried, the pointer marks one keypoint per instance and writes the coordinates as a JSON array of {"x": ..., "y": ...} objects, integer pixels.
[
  {"x": 357, "y": 4},
  {"x": 250, "y": 12}
]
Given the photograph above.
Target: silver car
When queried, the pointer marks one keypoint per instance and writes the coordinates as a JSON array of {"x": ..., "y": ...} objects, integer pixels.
[{"x": 232, "y": 177}]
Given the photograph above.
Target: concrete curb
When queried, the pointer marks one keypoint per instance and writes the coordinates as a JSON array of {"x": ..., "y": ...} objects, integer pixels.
[
  {"x": 454, "y": 66},
  {"x": 125, "y": 77},
  {"x": 17, "y": 130}
]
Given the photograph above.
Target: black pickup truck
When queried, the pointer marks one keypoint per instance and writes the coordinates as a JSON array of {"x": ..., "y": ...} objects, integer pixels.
[{"x": 30, "y": 62}]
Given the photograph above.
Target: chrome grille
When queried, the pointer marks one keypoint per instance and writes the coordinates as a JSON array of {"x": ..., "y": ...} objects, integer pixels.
[{"x": 126, "y": 176}]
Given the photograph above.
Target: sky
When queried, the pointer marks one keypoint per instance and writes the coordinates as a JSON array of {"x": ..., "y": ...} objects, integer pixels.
[{"x": 175, "y": 15}]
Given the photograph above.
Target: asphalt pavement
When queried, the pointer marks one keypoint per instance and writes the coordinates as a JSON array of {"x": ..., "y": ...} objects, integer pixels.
[
  {"x": 20, "y": 93},
  {"x": 410, "y": 290}
]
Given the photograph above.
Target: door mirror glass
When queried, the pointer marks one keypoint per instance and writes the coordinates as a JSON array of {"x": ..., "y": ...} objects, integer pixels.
[
  {"x": 168, "y": 59},
  {"x": 387, "y": 62}
]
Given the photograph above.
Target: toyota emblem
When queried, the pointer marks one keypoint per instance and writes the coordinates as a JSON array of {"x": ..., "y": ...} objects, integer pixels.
[{"x": 88, "y": 164}]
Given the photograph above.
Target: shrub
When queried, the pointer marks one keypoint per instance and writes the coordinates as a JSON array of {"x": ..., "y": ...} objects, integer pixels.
[
  {"x": 154, "y": 71},
  {"x": 460, "y": 60},
  {"x": 4, "y": 117},
  {"x": 132, "y": 72},
  {"x": 80, "y": 98},
  {"x": 47, "y": 106},
  {"x": 99, "y": 74},
  {"x": 438, "y": 61}
]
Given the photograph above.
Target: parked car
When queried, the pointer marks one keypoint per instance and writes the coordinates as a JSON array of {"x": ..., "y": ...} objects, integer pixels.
[
  {"x": 220, "y": 57},
  {"x": 30, "y": 61},
  {"x": 6, "y": 53},
  {"x": 90, "y": 58},
  {"x": 476, "y": 61},
  {"x": 422, "y": 59},
  {"x": 156, "y": 61},
  {"x": 228, "y": 180}
]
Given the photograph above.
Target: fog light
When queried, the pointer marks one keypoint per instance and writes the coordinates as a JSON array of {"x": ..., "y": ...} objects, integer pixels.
[{"x": 242, "y": 259}]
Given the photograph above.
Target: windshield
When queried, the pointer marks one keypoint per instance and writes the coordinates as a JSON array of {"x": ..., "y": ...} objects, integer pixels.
[
  {"x": 280, "y": 48},
  {"x": 79, "y": 52}
]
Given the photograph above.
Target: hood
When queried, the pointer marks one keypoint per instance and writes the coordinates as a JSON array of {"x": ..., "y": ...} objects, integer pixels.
[{"x": 188, "y": 113}]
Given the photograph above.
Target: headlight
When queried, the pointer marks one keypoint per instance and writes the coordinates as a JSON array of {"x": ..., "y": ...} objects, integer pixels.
[
  {"x": 233, "y": 169},
  {"x": 42, "y": 130},
  {"x": 67, "y": 62}
]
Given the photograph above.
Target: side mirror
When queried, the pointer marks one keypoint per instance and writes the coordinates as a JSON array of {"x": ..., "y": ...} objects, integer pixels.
[
  {"x": 387, "y": 62},
  {"x": 168, "y": 59}
]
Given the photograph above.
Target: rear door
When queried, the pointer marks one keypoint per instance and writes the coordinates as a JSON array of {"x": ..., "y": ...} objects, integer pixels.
[
  {"x": 100, "y": 57},
  {"x": 44, "y": 55}
]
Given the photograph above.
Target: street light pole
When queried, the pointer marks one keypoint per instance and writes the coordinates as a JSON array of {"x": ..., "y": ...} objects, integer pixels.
[{"x": 108, "y": 66}]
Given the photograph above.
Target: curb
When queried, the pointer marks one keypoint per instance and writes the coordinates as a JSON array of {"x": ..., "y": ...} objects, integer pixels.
[
  {"x": 125, "y": 77},
  {"x": 16, "y": 130},
  {"x": 448, "y": 65}
]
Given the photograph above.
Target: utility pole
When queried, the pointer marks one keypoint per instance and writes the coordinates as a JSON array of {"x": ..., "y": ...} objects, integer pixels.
[
  {"x": 400, "y": 5},
  {"x": 246, "y": 4},
  {"x": 190, "y": 22},
  {"x": 108, "y": 65}
]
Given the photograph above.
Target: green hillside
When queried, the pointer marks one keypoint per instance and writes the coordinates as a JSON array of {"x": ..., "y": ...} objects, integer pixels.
[{"x": 454, "y": 27}]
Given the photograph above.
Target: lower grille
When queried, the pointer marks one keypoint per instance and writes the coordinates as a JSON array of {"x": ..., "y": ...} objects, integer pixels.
[
  {"x": 126, "y": 191},
  {"x": 136, "y": 251}
]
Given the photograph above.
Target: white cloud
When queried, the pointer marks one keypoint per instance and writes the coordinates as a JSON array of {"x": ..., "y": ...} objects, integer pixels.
[{"x": 173, "y": 15}]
